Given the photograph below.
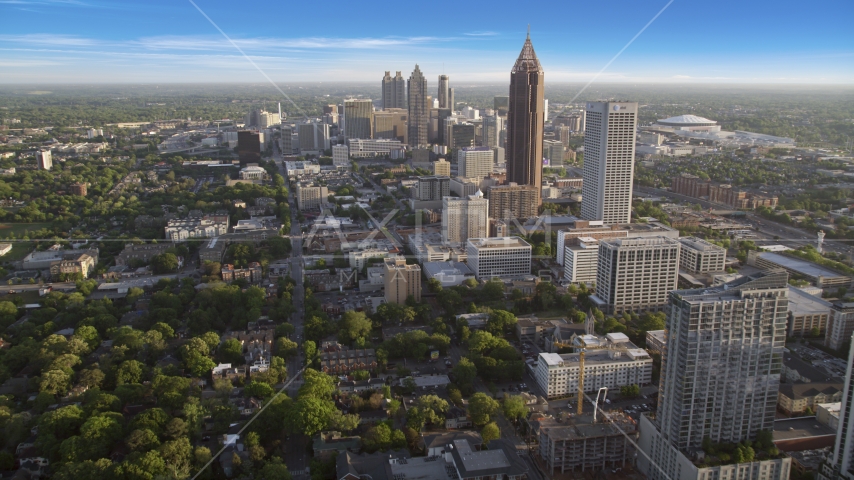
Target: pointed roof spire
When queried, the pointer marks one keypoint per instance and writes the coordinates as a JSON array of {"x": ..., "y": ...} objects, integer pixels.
[{"x": 527, "y": 61}]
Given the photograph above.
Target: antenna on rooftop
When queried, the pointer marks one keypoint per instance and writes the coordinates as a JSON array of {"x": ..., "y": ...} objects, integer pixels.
[{"x": 529, "y": 31}]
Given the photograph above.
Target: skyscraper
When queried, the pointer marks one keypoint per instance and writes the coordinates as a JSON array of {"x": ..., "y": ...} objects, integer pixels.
[
  {"x": 358, "y": 118},
  {"x": 464, "y": 218},
  {"x": 401, "y": 280},
  {"x": 513, "y": 201},
  {"x": 44, "y": 159},
  {"x": 451, "y": 102},
  {"x": 720, "y": 377},
  {"x": 501, "y": 103},
  {"x": 419, "y": 110},
  {"x": 443, "y": 91},
  {"x": 391, "y": 123},
  {"x": 394, "y": 91},
  {"x": 475, "y": 163},
  {"x": 841, "y": 464},
  {"x": 491, "y": 127},
  {"x": 609, "y": 154},
  {"x": 525, "y": 117}
]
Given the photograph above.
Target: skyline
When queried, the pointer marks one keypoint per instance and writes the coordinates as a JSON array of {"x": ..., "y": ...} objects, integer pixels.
[{"x": 111, "y": 42}]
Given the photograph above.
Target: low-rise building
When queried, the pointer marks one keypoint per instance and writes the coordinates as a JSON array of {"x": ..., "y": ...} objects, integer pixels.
[
  {"x": 206, "y": 226},
  {"x": 828, "y": 414},
  {"x": 807, "y": 315},
  {"x": 699, "y": 256},
  {"x": 580, "y": 261},
  {"x": 656, "y": 341},
  {"x": 449, "y": 273},
  {"x": 814, "y": 273},
  {"x": 72, "y": 264},
  {"x": 141, "y": 253},
  {"x": 344, "y": 360},
  {"x": 585, "y": 445},
  {"x": 796, "y": 398},
  {"x": 252, "y": 274},
  {"x": 623, "y": 364}
]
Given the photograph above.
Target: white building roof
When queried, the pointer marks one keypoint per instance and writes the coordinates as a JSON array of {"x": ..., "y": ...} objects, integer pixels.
[
  {"x": 617, "y": 337},
  {"x": 687, "y": 120},
  {"x": 551, "y": 358}
]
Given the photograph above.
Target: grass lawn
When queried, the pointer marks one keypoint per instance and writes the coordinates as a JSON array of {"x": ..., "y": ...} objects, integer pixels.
[
  {"x": 18, "y": 228},
  {"x": 19, "y": 251}
]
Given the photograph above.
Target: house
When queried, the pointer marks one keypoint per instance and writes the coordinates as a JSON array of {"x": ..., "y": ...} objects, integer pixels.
[
  {"x": 457, "y": 417},
  {"x": 433, "y": 444},
  {"x": 329, "y": 444},
  {"x": 345, "y": 361},
  {"x": 225, "y": 370}
]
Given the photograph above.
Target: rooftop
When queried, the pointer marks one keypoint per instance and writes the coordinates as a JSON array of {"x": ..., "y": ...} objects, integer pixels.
[
  {"x": 797, "y": 428},
  {"x": 803, "y": 267},
  {"x": 700, "y": 244},
  {"x": 687, "y": 120},
  {"x": 802, "y": 303},
  {"x": 498, "y": 242}
]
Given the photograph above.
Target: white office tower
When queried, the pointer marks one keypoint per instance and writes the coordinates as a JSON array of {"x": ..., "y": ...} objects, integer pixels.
[
  {"x": 44, "y": 159},
  {"x": 475, "y": 162},
  {"x": 464, "y": 217},
  {"x": 609, "y": 153},
  {"x": 720, "y": 377},
  {"x": 581, "y": 261},
  {"x": 841, "y": 464},
  {"x": 499, "y": 257},
  {"x": 341, "y": 155},
  {"x": 635, "y": 274}
]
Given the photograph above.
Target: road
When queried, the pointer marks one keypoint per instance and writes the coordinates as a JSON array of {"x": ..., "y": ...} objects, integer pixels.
[{"x": 295, "y": 458}]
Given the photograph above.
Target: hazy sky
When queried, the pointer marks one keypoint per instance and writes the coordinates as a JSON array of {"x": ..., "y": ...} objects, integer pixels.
[{"x": 726, "y": 41}]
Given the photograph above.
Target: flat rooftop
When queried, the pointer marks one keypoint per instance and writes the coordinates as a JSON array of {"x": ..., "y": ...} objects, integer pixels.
[
  {"x": 803, "y": 267},
  {"x": 802, "y": 303},
  {"x": 700, "y": 244},
  {"x": 499, "y": 242},
  {"x": 798, "y": 428},
  {"x": 583, "y": 427}
]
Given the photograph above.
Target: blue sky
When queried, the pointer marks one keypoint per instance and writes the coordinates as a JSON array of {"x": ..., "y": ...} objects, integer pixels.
[{"x": 725, "y": 41}]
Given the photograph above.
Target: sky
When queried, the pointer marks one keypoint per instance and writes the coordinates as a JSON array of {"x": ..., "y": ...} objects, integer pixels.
[{"x": 474, "y": 42}]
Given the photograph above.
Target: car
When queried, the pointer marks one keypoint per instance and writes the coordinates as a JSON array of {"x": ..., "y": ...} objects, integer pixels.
[{"x": 206, "y": 438}]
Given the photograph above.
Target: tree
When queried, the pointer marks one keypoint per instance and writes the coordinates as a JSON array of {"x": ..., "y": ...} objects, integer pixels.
[
  {"x": 481, "y": 406},
  {"x": 434, "y": 286},
  {"x": 276, "y": 470},
  {"x": 311, "y": 415},
  {"x": 354, "y": 326},
  {"x": 55, "y": 382},
  {"x": 309, "y": 349},
  {"x": 142, "y": 440},
  {"x": 164, "y": 263},
  {"x": 259, "y": 389},
  {"x": 286, "y": 347},
  {"x": 130, "y": 371},
  {"x": 630, "y": 391},
  {"x": 464, "y": 374},
  {"x": 514, "y": 407},
  {"x": 317, "y": 385},
  {"x": 500, "y": 321},
  {"x": 377, "y": 437},
  {"x": 231, "y": 351},
  {"x": 490, "y": 432},
  {"x": 343, "y": 422}
]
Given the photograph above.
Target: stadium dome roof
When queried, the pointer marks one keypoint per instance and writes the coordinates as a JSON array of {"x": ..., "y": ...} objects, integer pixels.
[{"x": 687, "y": 121}]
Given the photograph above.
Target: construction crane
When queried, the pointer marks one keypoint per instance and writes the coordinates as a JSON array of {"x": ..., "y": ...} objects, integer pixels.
[{"x": 582, "y": 345}]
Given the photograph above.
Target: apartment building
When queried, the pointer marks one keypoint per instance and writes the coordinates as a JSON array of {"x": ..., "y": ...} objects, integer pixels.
[
  {"x": 401, "y": 280},
  {"x": 617, "y": 363}
]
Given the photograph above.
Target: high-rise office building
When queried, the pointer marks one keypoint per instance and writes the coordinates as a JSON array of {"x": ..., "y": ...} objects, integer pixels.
[
  {"x": 401, "y": 280},
  {"x": 451, "y": 102},
  {"x": 432, "y": 188},
  {"x": 443, "y": 91},
  {"x": 464, "y": 218},
  {"x": 491, "y": 128},
  {"x": 286, "y": 144},
  {"x": 635, "y": 274},
  {"x": 498, "y": 257},
  {"x": 460, "y": 135},
  {"x": 313, "y": 137},
  {"x": 513, "y": 201},
  {"x": 720, "y": 377},
  {"x": 394, "y": 91},
  {"x": 609, "y": 158},
  {"x": 553, "y": 150},
  {"x": 501, "y": 104},
  {"x": 525, "y": 121},
  {"x": 840, "y": 466},
  {"x": 475, "y": 162},
  {"x": 341, "y": 155},
  {"x": 391, "y": 123},
  {"x": 419, "y": 109},
  {"x": 358, "y": 117},
  {"x": 45, "y": 159},
  {"x": 249, "y": 146}
]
